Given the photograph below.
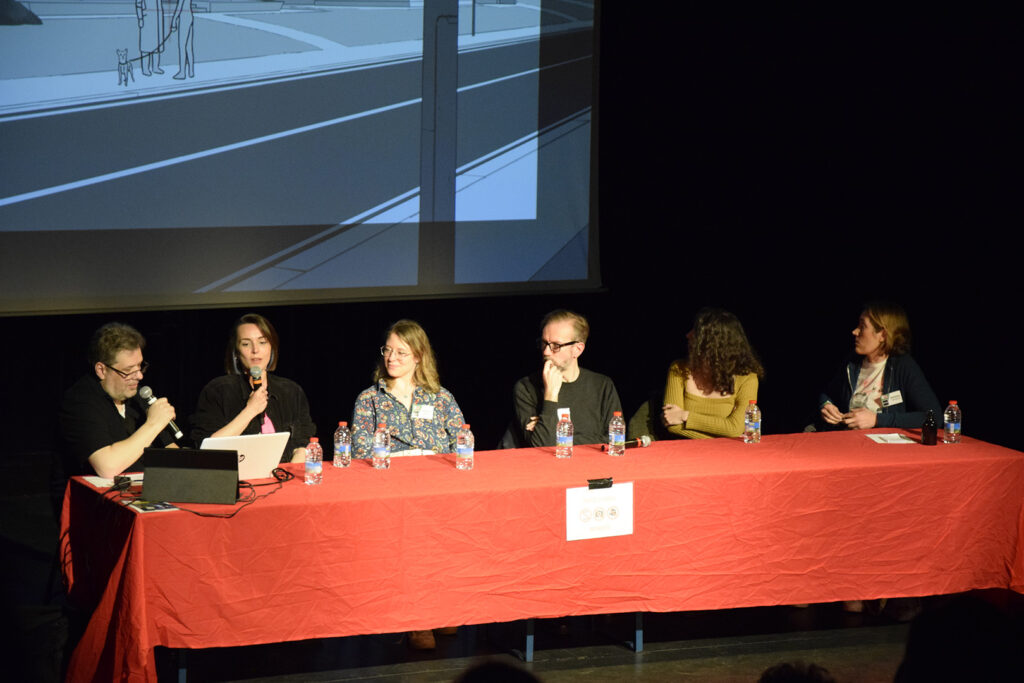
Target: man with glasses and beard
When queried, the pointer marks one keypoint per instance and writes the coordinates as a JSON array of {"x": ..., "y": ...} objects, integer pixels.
[
  {"x": 105, "y": 428},
  {"x": 562, "y": 386}
]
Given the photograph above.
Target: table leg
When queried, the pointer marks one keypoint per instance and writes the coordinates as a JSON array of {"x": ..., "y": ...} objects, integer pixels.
[
  {"x": 638, "y": 635},
  {"x": 529, "y": 640}
]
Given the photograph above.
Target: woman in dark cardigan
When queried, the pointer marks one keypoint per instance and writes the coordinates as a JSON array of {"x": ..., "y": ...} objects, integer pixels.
[{"x": 236, "y": 403}]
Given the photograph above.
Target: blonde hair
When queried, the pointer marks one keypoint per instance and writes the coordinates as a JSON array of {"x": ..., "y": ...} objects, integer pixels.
[
  {"x": 580, "y": 325},
  {"x": 425, "y": 375}
]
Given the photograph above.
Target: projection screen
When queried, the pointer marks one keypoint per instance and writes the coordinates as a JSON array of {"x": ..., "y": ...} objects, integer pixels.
[{"x": 182, "y": 155}]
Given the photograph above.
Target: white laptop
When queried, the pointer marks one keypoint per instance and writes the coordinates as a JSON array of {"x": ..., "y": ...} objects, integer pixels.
[{"x": 258, "y": 454}]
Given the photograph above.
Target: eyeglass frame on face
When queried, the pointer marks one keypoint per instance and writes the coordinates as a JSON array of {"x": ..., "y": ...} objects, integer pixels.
[
  {"x": 402, "y": 355},
  {"x": 555, "y": 346},
  {"x": 125, "y": 375}
]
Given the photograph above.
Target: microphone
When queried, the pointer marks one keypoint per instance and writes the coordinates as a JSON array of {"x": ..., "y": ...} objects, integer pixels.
[
  {"x": 257, "y": 377},
  {"x": 642, "y": 441},
  {"x": 146, "y": 394}
]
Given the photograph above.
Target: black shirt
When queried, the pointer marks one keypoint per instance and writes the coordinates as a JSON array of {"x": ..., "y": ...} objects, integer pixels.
[
  {"x": 224, "y": 397},
  {"x": 591, "y": 400},
  {"x": 89, "y": 421}
]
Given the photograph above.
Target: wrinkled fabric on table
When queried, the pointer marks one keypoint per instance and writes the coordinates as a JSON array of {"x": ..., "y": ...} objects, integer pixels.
[{"x": 717, "y": 524}]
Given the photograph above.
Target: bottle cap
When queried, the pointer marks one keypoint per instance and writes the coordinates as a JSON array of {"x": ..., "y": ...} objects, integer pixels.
[
  {"x": 313, "y": 439},
  {"x": 465, "y": 425},
  {"x": 617, "y": 413},
  {"x": 343, "y": 424},
  {"x": 753, "y": 400},
  {"x": 952, "y": 403},
  {"x": 380, "y": 426}
]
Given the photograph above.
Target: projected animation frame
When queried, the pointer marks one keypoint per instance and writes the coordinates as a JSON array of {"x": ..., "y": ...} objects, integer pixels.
[{"x": 297, "y": 167}]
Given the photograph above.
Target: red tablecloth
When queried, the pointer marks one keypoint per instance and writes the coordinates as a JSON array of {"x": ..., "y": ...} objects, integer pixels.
[{"x": 718, "y": 524}]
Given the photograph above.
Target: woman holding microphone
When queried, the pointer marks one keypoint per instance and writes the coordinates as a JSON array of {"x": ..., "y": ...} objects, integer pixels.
[{"x": 248, "y": 399}]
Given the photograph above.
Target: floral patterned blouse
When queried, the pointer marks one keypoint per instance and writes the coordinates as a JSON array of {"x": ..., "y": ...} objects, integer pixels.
[{"x": 409, "y": 428}]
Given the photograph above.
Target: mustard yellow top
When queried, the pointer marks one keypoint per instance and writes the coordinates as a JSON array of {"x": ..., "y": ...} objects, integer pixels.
[{"x": 709, "y": 417}]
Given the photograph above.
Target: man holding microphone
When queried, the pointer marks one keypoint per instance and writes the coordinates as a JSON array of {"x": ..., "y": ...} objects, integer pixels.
[{"x": 104, "y": 430}]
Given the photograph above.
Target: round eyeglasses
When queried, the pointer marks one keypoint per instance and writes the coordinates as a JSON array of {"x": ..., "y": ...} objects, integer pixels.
[{"x": 388, "y": 351}]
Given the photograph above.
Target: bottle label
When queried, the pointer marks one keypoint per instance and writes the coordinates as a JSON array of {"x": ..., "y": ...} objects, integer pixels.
[
  {"x": 564, "y": 440},
  {"x": 952, "y": 426},
  {"x": 343, "y": 449},
  {"x": 464, "y": 452},
  {"x": 616, "y": 439},
  {"x": 753, "y": 425}
]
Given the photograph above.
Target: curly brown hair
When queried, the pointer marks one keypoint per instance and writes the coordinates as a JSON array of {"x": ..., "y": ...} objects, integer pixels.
[{"x": 719, "y": 350}]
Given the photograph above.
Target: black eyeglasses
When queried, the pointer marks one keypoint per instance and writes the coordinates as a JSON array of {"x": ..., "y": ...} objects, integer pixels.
[
  {"x": 141, "y": 370},
  {"x": 555, "y": 346}
]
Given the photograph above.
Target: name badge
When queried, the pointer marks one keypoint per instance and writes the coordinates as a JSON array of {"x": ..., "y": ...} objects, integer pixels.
[
  {"x": 423, "y": 411},
  {"x": 563, "y": 411},
  {"x": 892, "y": 399}
]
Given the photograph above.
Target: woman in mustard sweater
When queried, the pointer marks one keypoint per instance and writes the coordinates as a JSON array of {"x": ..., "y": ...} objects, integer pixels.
[{"x": 708, "y": 392}]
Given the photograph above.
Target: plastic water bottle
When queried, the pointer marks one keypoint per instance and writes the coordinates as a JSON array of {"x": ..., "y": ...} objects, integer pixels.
[
  {"x": 314, "y": 462},
  {"x": 464, "y": 449},
  {"x": 617, "y": 434},
  {"x": 952, "y": 417},
  {"x": 563, "y": 437},
  {"x": 342, "y": 445},
  {"x": 752, "y": 423},
  {"x": 381, "y": 448}
]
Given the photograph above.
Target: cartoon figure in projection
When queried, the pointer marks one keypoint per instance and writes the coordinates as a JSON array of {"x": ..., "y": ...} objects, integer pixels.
[
  {"x": 124, "y": 68},
  {"x": 186, "y": 39},
  {"x": 150, "y": 14}
]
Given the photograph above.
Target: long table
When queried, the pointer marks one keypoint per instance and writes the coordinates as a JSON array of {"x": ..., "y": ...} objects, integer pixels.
[{"x": 718, "y": 524}]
